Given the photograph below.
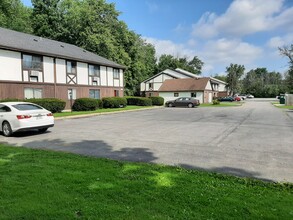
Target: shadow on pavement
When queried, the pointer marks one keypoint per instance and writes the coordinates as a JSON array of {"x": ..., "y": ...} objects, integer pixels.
[{"x": 95, "y": 148}]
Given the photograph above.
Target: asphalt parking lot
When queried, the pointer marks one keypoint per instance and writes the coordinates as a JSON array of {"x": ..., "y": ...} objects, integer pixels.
[{"x": 254, "y": 140}]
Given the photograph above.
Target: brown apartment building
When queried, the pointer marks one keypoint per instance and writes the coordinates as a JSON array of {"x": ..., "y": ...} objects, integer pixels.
[{"x": 36, "y": 67}]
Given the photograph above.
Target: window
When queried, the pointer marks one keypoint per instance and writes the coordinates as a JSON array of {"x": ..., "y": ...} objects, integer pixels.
[
  {"x": 71, "y": 67},
  {"x": 94, "y": 70},
  {"x": 4, "y": 108},
  {"x": 115, "y": 73},
  {"x": 71, "y": 94},
  {"x": 150, "y": 94},
  {"x": 26, "y": 107},
  {"x": 116, "y": 93},
  {"x": 32, "y": 62},
  {"x": 95, "y": 93},
  {"x": 193, "y": 94},
  {"x": 176, "y": 94},
  {"x": 34, "y": 79},
  {"x": 151, "y": 85},
  {"x": 32, "y": 93}
]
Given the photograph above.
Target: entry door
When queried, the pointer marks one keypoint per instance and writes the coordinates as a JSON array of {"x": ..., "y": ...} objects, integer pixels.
[{"x": 210, "y": 97}]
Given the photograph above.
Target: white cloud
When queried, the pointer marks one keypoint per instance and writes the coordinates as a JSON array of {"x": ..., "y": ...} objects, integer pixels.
[
  {"x": 216, "y": 54},
  {"x": 169, "y": 47},
  {"x": 226, "y": 51},
  {"x": 280, "y": 41},
  {"x": 244, "y": 17}
]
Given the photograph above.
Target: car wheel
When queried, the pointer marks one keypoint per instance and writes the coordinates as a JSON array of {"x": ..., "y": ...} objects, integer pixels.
[
  {"x": 170, "y": 105},
  {"x": 190, "y": 105},
  {"x": 42, "y": 130},
  {"x": 6, "y": 128}
]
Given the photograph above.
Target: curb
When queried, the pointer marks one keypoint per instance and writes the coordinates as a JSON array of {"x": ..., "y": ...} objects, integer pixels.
[{"x": 106, "y": 113}]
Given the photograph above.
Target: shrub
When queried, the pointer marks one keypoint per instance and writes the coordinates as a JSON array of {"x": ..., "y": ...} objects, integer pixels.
[
  {"x": 131, "y": 100},
  {"x": 216, "y": 102},
  {"x": 51, "y": 104},
  {"x": 11, "y": 100},
  {"x": 114, "y": 102},
  {"x": 144, "y": 101},
  {"x": 157, "y": 100},
  {"x": 86, "y": 104},
  {"x": 141, "y": 101}
]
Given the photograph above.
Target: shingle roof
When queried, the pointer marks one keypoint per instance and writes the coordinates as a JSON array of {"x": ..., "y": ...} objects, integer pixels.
[
  {"x": 189, "y": 84},
  {"x": 33, "y": 44}
]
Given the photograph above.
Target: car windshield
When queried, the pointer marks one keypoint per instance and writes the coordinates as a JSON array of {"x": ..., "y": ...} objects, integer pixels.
[{"x": 26, "y": 107}]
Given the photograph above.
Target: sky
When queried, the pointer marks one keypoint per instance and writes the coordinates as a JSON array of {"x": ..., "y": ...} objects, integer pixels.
[{"x": 218, "y": 32}]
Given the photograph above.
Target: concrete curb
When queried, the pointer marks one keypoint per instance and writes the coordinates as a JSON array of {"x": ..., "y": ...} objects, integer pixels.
[{"x": 106, "y": 113}]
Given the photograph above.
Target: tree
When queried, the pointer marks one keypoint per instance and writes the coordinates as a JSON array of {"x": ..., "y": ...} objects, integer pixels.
[
  {"x": 170, "y": 62},
  {"x": 15, "y": 16},
  {"x": 221, "y": 77},
  {"x": 287, "y": 51},
  {"x": 234, "y": 73},
  {"x": 94, "y": 26},
  {"x": 262, "y": 83}
]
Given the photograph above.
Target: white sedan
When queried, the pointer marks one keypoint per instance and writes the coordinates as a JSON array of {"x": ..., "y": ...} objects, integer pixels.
[{"x": 21, "y": 116}]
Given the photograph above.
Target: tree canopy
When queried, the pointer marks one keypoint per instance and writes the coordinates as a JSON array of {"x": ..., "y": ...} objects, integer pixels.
[{"x": 234, "y": 72}]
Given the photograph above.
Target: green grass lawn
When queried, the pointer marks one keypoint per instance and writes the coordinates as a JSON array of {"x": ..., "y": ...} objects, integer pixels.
[
  {"x": 103, "y": 110},
  {"x": 37, "y": 184},
  {"x": 222, "y": 104}
]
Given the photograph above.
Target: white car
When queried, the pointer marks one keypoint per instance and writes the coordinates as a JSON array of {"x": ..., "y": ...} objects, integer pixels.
[
  {"x": 250, "y": 96},
  {"x": 21, "y": 116}
]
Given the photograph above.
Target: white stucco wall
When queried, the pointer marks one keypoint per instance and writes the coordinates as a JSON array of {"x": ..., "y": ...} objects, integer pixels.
[
  {"x": 82, "y": 73},
  {"x": 208, "y": 86},
  {"x": 10, "y": 65},
  {"x": 222, "y": 87},
  {"x": 110, "y": 76},
  {"x": 103, "y": 74},
  {"x": 48, "y": 69},
  {"x": 170, "y": 95},
  {"x": 121, "y": 78},
  {"x": 60, "y": 71}
]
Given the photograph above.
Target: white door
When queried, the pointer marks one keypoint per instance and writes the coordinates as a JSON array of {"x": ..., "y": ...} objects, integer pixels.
[{"x": 210, "y": 97}]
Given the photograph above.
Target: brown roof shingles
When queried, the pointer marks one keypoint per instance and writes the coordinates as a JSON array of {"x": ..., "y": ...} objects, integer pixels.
[{"x": 188, "y": 84}]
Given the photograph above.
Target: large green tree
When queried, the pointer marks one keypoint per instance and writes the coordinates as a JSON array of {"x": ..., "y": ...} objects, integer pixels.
[
  {"x": 169, "y": 62},
  {"x": 234, "y": 73},
  {"x": 94, "y": 25},
  {"x": 287, "y": 51},
  {"x": 262, "y": 83},
  {"x": 14, "y": 15}
]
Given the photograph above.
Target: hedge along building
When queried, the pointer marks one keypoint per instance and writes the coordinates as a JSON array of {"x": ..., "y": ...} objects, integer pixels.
[{"x": 36, "y": 67}]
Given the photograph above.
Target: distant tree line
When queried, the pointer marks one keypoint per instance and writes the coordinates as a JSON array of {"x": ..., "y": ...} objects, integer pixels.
[
  {"x": 260, "y": 82},
  {"x": 94, "y": 26}
]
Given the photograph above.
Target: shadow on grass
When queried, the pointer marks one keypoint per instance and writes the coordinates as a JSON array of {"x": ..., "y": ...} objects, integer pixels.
[{"x": 230, "y": 171}]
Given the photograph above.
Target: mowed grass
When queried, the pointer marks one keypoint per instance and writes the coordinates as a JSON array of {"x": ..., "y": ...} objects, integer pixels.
[
  {"x": 103, "y": 110},
  {"x": 37, "y": 184},
  {"x": 277, "y": 104}
]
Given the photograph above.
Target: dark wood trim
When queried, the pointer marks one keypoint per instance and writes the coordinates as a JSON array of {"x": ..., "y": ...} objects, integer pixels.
[
  {"x": 21, "y": 57},
  {"x": 55, "y": 77}
]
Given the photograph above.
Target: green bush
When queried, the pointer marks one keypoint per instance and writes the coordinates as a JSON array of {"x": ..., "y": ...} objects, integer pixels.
[
  {"x": 11, "y": 100},
  {"x": 216, "y": 102},
  {"x": 131, "y": 100},
  {"x": 51, "y": 104},
  {"x": 157, "y": 100},
  {"x": 86, "y": 104},
  {"x": 114, "y": 102},
  {"x": 144, "y": 102},
  {"x": 141, "y": 101}
]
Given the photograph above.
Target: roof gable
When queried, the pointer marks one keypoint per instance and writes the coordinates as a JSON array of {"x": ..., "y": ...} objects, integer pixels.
[
  {"x": 18, "y": 41},
  {"x": 188, "y": 84}
]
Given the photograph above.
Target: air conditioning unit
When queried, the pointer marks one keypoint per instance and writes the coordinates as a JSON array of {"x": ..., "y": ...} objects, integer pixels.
[
  {"x": 34, "y": 73},
  {"x": 95, "y": 79}
]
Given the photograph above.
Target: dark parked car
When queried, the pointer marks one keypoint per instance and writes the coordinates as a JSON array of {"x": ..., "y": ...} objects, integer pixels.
[
  {"x": 183, "y": 102},
  {"x": 226, "y": 99}
]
